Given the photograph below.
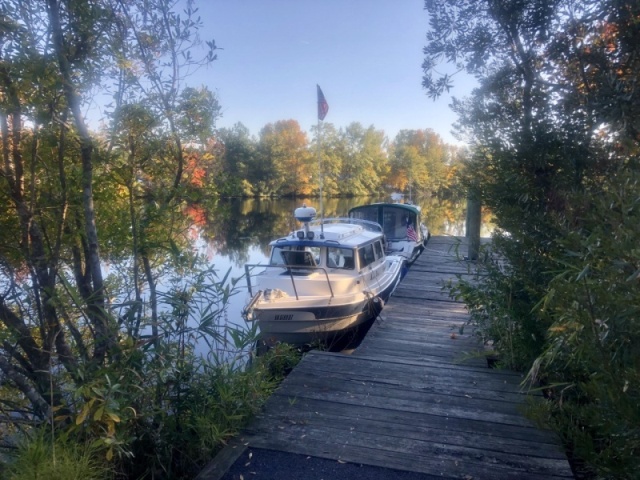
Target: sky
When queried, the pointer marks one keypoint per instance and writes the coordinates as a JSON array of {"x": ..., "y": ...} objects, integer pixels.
[{"x": 366, "y": 55}]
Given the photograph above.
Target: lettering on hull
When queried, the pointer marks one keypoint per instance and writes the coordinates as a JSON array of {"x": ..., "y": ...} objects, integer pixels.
[{"x": 283, "y": 317}]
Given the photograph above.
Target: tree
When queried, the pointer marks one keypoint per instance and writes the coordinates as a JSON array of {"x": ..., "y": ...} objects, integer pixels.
[
  {"x": 418, "y": 161},
  {"x": 365, "y": 161},
  {"x": 237, "y": 159},
  {"x": 283, "y": 160},
  {"x": 153, "y": 47},
  {"x": 554, "y": 129},
  {"x": 62, "y": 70},
  {"x": 326, "y": 165},
  {"x": 77, "y": 197}
]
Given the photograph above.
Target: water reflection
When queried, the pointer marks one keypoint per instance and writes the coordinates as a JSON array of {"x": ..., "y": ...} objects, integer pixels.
[
  {"x": 231, "y": 233},
  {"x": 236, "y": 231}
]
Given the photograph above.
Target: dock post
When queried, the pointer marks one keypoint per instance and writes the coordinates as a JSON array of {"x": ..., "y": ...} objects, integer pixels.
[{"x": 474, "y": 208}]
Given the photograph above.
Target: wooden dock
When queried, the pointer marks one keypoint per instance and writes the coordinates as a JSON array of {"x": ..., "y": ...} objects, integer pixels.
[{"x": 416, "y": 396}]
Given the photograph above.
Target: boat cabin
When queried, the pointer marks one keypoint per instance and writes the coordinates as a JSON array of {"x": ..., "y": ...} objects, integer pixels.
[
  {"x": 395, "y": 218},
  {"x": 309, "y": 255}
]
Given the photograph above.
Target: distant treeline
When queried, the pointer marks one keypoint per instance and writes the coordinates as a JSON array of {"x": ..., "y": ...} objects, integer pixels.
[{"x": 351, "y": 161}]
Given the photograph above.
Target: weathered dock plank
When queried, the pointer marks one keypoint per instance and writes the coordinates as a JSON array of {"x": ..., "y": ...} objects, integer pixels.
[
  {"x": 446, "y": 429},
  {"x": 412, "y": 454},
  {"x": 415, "y": 396}
]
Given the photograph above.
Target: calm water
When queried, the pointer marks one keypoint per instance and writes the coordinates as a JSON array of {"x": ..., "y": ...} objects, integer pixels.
[{"x": 239, "y": 231}]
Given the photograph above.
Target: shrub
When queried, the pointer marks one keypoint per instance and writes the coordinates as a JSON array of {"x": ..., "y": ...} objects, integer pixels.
[
  {"x": 501, "y": 298},
  {"x": 593, "y": 345}
]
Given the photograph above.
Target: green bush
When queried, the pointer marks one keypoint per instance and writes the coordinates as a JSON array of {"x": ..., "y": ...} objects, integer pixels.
[
  {"x": 159, "y": 409},
  {"x": 593, "y": 355},
  {"x": 212, "y": 405},
  {"x": 568, "y": 314},
  {"x": 217, "y": 402},
  {"x": 501, "y": 301}
]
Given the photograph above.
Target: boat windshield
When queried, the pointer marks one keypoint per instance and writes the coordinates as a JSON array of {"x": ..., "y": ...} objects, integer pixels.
[
  {"x": 367, "y": 255},
  {"x": 366, "y": 213},
  {"x": 299, "y": 259}
]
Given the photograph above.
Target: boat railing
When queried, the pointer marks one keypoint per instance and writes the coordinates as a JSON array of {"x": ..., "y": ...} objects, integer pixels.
[
  {"x": 366, "y": 224},
  {"x": 291, "y": 269}
]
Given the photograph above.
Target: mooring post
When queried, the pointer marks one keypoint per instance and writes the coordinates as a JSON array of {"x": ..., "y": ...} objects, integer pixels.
[{"x": 474, "y": 207}]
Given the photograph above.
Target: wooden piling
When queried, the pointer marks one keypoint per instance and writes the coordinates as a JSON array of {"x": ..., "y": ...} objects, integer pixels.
[{"x": 474, "y": 213}]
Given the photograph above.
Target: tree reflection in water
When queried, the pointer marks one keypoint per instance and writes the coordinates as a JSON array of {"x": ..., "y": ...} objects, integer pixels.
[
  {"x": 233, "y": 232},
  {"x": 234, "y": 227}
]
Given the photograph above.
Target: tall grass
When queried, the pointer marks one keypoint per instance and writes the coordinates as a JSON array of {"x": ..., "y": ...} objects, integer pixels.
[{"x": 40, "y": 458}]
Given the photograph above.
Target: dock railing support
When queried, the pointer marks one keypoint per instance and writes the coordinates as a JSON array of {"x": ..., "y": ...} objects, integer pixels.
[{"x": 474, "y": 210}]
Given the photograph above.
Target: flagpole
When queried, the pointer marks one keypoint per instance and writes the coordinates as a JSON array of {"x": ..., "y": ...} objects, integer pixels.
[
  {"x": 323, "y": 108},
  {"x": 320, "y": 171}
]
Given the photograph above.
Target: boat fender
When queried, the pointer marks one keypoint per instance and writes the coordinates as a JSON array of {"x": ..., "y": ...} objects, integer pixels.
[{"x": 372, "y": 298}]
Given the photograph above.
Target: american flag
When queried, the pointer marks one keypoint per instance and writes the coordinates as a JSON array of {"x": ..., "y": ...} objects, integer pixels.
[
  {"x": 323, "y": 106},
  {"x": 411, "y": 233}
]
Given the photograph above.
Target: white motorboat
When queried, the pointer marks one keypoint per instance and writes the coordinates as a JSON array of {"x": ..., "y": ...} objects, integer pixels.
[
  {"x": 402, "y": 225},
  {"x": 322, "y": 281}
]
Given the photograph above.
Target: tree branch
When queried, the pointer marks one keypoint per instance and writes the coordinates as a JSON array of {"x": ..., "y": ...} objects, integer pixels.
[{"x": 43, "y": 409}]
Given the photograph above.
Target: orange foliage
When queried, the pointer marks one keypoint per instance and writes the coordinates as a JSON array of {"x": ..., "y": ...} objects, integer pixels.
[
  {"x": 194, "y": 172},
  {"x": 197, "y": 214}
]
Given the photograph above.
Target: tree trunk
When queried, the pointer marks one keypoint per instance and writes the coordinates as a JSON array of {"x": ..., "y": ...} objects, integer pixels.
[{"x": 104, "y": 339}]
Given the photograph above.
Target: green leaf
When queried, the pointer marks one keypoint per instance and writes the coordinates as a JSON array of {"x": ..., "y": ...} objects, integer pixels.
[
  {"x": 585, "y": 271},
  {"x": 97, "y": 416},
  {"x": 83, "y": 414}
]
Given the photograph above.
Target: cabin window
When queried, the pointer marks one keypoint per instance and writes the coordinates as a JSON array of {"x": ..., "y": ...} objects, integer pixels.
[
  {"x": 370, "y": 214},
  {"x": 366, "y": 255},
  {"x": 389, "y": 222},
  {"x": 340, "y": 258},
  {"x": 276, "y": 257},
  {"x": 396, "y": 222},
  {"x": 315, "y": 252},
  {"x": 379, "y": 250}
]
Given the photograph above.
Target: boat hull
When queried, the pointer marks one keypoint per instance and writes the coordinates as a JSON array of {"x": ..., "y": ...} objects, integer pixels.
[
  {"x": 309, "y": 320},
  {"x": 408, "y": 249},
  {"x": 301, "y": 327}
]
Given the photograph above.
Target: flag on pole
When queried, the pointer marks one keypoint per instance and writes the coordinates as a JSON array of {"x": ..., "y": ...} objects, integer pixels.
[{"x": 323, "y": 106}]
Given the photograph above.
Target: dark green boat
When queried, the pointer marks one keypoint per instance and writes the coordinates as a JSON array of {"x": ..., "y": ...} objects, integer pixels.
[{"x": 402, "y": 225}]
